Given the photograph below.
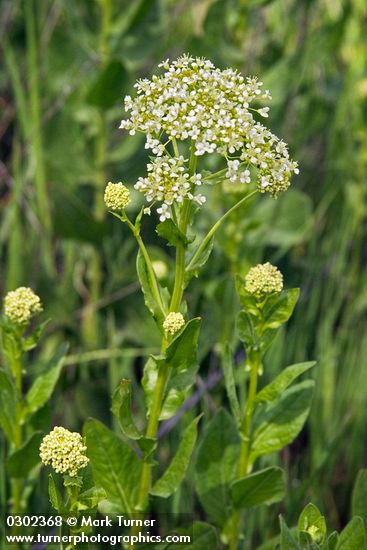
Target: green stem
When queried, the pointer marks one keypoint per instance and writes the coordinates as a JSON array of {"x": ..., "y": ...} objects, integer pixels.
[
  {"x": 152, "y": 277},
  {"x": 16, "y": 486},
  {"x": 215, "y": 228},
  {"x": 254, "y": 361},
  {"x": 165, "y": 370}
]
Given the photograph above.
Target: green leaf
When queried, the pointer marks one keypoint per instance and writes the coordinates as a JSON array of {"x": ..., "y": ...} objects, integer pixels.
[
  {"x": 282, "y": 421},
  {"x": 8, "y": 400},
  {"x": 182, "y": 350},
  {"x": 353, "y": 537},
  {"x": 90, "y": 499},
  {"x": 246, "y": 329},
  {"x": 21, "y": 461},
  {"x": 230, "y": 384},
  {"x": 42, "y": 388},
  {"x": 173, "y": 476},
  {"x": 262, "y": 487},
  {"x": 248, "y": 301},
  {"x": 279, "y": 308},
  {"x": 313, "y": 523},
  {"x": 109, "y": 86},
  {"x": 359, "y": 496},
  {"x": 200, "y": 261},
  {"x": 32, "y": 340},
  {"x": 216, "y": 466},
  {"x": 287, "y": 541},
  {"x": 11, "y": 343},
  {"x": 181, "y": 356},
  {"x": 116, "y": 467},
  {"x": 273, "y": 390},
  {"x": 121, "y": 408},
  {"x": 143, "y": 274},
  {"x": 168, "y": 230},
  {"x": 55, "y": 496}
]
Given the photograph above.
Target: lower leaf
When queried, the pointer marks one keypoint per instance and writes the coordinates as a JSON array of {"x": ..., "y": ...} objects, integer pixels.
[{"x": 264, "y": 487}]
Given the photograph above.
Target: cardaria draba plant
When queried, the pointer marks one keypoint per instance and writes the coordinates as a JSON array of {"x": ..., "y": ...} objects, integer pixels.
[
  {"x": 267, "y": 421},
  {"x": 189, "y": 112},
  {"x": 19, "y": 402},
  {"x": 65, "y": 452}
]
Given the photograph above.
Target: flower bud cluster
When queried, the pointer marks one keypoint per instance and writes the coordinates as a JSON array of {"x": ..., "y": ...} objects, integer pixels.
[
  {"x": 264, "y": 279},
  {"x": 116, "y": 196},
  {"x": 173, "y": 322},
  {"x": 21, "y": 304},
  {"x": 64, "y": 451}
]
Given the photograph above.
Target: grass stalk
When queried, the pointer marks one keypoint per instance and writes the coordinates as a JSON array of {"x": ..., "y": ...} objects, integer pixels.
[{"x": 36, "y": 138}]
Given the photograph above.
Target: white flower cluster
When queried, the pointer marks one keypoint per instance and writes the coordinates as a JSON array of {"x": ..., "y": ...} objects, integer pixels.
[
  {"x": 194, "y": 100},
  {"x": 235, "y": 175},
  {"x": 64, "y": 451},
  {"x": 168, "y": 182}
]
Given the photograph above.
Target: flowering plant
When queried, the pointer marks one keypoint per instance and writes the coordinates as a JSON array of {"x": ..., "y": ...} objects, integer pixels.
[
  {"x": 189, "y": 113},
  {"x": 202, "y": 126}
]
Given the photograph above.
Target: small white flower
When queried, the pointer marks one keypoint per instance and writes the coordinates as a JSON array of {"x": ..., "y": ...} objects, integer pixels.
[
  {"x": 164, "y": 213},
  {"x": 264, "y": 112}
]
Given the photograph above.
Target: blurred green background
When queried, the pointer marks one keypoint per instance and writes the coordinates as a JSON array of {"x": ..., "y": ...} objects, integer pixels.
[{"x": 66, "y": 67}]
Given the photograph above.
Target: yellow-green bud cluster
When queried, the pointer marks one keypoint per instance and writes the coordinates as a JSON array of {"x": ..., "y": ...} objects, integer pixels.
[
  {"x": 116, "y": 196},
  {"x": 64, "y": 451},
  {"x": 21, "y": 304},
  {"x": 264, "y": 279},
  {"x": 173, "y": 322}
]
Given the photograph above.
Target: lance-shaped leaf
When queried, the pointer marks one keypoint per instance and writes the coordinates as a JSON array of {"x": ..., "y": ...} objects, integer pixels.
[
  {"x": 32, "y": 340},
  {"x": 247, "y": 329},
  {"x": 279, "y": 308},
  {"x": 146, "y": 286},
  {"x": 21, "y": 461},
  {"x": 121, "y": 408},
  {"x": 273, "y": 390},
  {"x": 194, "y": 267},
  {"x": 173, "y": 476},
  {"x": 311, "y": 520},
  {"x": 217, "y": 465},
  {"x": 168, "y": 230},
  {"x": 116, "y": 467},
  {"x": 181, "y": 357},
  {"x": 42, "y": 388},
  {"x": 353, "y": 537},
  {"x": 282, "y": 421},
  {"x": 55, "y": 496},
  {"x": 8, "y": 400},
  {"x": 262, "y": 487}
]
